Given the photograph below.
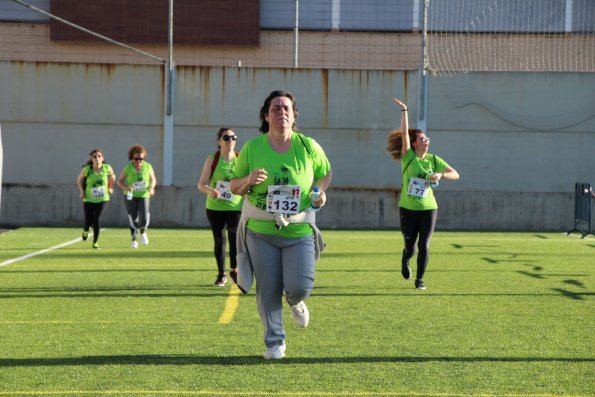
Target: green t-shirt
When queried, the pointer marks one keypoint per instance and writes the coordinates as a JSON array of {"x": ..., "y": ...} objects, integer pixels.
[
  {"x": 304, "y": 162},
  {"x": 414, "y": 167},
  {"x": 96, "y": 184},
  {"x": 223, "y": 173},
  {"x": 140, "y": 181}
]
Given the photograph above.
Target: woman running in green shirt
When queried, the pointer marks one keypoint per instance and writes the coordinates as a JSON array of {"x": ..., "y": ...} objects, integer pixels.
[
  {"x": 417, "y": 205},
  {"x": 95, "y": 183},
  {"x": 137, "y": 181},
  {"x": 277, "y": 172},
  {"x": 223, "y": 207}
]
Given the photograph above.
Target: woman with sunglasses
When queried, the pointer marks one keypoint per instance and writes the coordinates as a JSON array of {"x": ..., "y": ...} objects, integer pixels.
[
  {"x": 417, "y": 205},
  {"x": 223, "y": 207},
  {"x": 95, "y": 183},
  {"x": 137, "y": 181}
]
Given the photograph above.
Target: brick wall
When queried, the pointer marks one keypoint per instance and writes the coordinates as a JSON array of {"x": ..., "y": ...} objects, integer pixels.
[{"x": 326, "y": 50}]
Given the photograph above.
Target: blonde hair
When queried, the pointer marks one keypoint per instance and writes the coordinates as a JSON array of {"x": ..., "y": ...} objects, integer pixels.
[{"x": 395, "y": 141}]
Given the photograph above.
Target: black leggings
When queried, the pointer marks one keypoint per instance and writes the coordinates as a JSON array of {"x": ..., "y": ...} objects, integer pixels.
[
  {"x": 218, "y": 220},
  {"x": 414, "y": 224},
  {"x": 92, "y": 215}
]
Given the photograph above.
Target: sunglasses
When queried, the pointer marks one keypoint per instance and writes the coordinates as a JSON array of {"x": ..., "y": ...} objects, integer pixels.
[
  {"x": 139, "y": 158},
  {"x": 425, "y": 139},
  {"x": 97, "y": 156},
  {"x": 228, "y": 138}
]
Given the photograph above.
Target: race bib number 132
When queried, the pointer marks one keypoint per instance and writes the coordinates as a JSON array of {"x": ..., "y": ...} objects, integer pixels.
[{"x": 284, "y": 199}]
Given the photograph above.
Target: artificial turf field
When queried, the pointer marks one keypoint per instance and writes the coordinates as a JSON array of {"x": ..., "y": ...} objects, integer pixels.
[{"x": 505, "y": 314}]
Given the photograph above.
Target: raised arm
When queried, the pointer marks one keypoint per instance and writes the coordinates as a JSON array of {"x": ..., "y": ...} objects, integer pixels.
[{"x": 404, "y": 126}]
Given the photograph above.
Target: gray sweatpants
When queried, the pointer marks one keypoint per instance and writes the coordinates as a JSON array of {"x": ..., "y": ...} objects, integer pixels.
[
  {"x": 138, "y": 212},
  {"x": 279, "y": 264}
]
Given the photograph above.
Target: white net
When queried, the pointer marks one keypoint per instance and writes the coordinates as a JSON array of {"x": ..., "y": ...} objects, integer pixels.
[{"x": 511, "y": 35}]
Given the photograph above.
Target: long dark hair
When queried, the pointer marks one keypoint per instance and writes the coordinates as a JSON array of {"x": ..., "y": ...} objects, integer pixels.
[
  {"x": 395, "y": 141},
  {"x": 264, "y": 110}
]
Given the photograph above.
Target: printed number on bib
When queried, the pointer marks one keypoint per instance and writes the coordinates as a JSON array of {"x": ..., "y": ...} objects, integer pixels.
[
  {"x": 98, "y": 192},
  {"x": 139, "y": 186},
  {"x": 284, "y": 199},
  {"x": 223, "y": 187},
  {"x": 418, "y": 187}
]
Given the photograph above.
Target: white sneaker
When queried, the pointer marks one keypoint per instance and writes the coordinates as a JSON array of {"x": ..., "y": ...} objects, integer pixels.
[
  {"x": 144, "y": 237},
  {"x": 134, "y": 244},
  {"x": 275, "y": 352},
  {"x": 300, "y": 314}
]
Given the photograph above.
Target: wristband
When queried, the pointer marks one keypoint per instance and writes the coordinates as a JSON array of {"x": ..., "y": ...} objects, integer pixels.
[{"x": 404, "y": 110}]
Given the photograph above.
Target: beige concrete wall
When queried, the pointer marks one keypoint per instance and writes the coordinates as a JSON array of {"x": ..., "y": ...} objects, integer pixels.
[{"x": 519, "y": 151}]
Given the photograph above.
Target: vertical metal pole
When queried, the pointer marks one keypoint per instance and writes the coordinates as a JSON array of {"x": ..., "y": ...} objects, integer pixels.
[
  {"x": 423, "y": 94},
  {"x": 568, "y": 17},
  {"x": 336, "y": 15},
  {"x": 296, "y": 34},
  {"x": 168, "y": 117},
  {"x": 170, "y": 45}
]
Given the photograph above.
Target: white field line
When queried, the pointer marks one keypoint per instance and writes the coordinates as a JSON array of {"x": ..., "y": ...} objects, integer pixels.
[{"x": 24, "y": 257}]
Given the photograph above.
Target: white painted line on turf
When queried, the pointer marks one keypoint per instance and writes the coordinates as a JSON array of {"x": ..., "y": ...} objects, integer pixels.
[
  {"x": 22, "y": 258},
  {"x": 231, "y": 305}
]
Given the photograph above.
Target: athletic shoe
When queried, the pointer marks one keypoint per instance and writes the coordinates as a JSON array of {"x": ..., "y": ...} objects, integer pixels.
[
  {"x": 300, "y": 314},
  {"x": 275, "y": 352},
  {"x": 85, "y": 235},
  {"x": 144, "y": 238},
  {"x": 233, "y": 274},
  {"x": 96, "y": 246},
  {"x": 134, "y": 244},
  {"x": 405, "y": 269},
  {"x": 420, "y": 284},
  {"x": 221, "y": 280}
]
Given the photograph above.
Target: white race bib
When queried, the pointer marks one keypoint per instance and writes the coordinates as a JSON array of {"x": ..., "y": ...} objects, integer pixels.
[
  {"x": 223, "y": 187},
  {"x": 139, "y": 186},
  {"x": 284, "y": 199},
  {"x": 98, "y": 192},
  {"x": 418, "y": 187}
]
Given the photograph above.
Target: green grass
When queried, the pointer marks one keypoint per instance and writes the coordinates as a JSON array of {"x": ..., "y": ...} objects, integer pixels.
[{"x": 505, "y": 314}]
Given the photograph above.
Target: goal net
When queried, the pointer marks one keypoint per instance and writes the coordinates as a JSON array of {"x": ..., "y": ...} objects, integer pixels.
[{"x": 510, "y": 35}]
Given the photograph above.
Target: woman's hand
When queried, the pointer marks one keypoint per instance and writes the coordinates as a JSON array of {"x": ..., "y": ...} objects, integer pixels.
[
  {"x": 436, "y": 177},
  {"x": 258, "y": 176},
  {"x": 321, "y": 200},
  {"x": 400, "y": 104},
  {"x": 214, "y": 193}
]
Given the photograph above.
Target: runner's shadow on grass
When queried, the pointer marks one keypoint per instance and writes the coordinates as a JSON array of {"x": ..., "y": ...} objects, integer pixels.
[{"x": 258, "y": 360}]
